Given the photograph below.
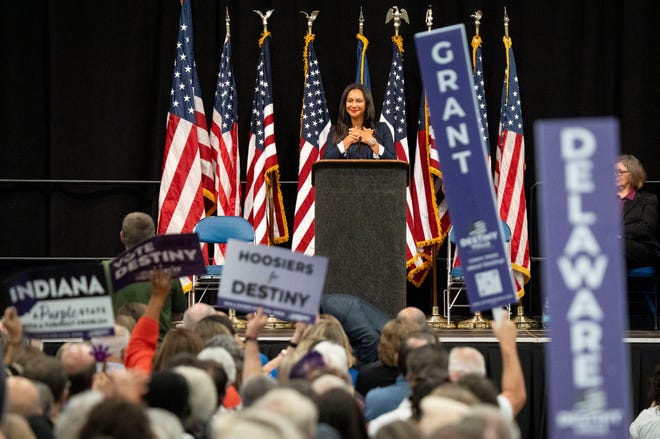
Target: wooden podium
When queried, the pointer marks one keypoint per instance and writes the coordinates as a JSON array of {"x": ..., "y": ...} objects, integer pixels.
[{"x": 360, "y": 225}]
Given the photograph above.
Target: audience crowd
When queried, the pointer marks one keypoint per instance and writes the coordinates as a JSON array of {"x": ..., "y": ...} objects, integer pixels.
[
  {"x": 175, "y": 372},
  {"x": 202, "y": 380}
]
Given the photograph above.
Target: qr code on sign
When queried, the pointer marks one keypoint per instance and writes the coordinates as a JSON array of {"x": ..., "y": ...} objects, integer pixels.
[{"x": 488, "y": 283}]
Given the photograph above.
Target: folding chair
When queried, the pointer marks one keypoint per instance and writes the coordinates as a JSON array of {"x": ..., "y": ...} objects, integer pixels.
[
  {"x": 218, "y": 230},
  {"x": 455, "y": 279}
]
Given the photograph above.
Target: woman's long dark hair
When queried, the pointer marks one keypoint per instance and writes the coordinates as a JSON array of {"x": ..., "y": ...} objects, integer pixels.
[{"x": 344, "y": 119}]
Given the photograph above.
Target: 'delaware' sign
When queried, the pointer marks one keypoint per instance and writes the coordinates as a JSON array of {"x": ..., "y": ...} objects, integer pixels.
[
  {"x": 287, "y": 285},
  {"x": 584, "y": 279}
]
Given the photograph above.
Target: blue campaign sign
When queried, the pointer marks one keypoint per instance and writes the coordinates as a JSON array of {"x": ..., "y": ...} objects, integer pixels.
[
  {"x": 62, "y": 302},
  {"x": 448, "y": 82},
  {"x": 180, "y": 253},
  {"x": 583, "y": 278}
]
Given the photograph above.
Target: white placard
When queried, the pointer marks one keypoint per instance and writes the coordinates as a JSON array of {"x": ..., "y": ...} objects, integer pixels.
[{"x": 287, "y": 285}]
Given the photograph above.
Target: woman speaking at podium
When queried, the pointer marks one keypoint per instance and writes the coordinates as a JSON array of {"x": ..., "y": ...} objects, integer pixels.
[{"x": 357, "y": 134}]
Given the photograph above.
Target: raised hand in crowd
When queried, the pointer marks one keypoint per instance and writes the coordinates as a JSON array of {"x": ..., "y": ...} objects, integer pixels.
[
  {"x": 513, "y": 380},
  {"x": 252, "y": 363},
  {"x": 144, "y": 338},
  {"x": 160, "y": 290},
  {"x": 293, "y": 344},
  {"x": 13, "y": 329}
]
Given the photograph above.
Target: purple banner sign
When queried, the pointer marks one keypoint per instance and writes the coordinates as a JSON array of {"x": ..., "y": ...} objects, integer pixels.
[
  {"x": 448, "y": 82},
  {"x": 62, "y": 302},
  {"x": 180, "y": 253},
  {"x": 583, "y": 278}
]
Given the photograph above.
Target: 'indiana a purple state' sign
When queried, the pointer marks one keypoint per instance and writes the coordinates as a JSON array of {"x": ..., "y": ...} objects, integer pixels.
[
  {"x": 448, "y": 82},
  {"x": 583, "y": 278},
  {"x": 62, "y": 302}
]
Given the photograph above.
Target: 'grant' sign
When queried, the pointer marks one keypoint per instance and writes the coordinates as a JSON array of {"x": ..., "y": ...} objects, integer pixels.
[
  {"x": 448, "y": 83},
  {"x": 288, "y": 285},
  {"x": 583, "y": 278}
]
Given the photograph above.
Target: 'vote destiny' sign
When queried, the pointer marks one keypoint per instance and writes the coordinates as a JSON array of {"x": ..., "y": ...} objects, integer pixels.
[
  {"x": 447, "y": 76},
  {"x": 286, "y": 284},
  {"x": 583, "y": 278},
  {"x": 180, "y": 253},
  {"x": 62, "y": 302}
]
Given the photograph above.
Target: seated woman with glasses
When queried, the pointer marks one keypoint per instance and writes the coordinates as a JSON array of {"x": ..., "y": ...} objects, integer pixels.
[{"x": 640, "y": 213}]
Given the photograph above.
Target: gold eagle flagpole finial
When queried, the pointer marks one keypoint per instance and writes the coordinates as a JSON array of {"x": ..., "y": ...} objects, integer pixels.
[
  {"x": 264, "y": 17},
  {"x": 396, "y": 14},
  {"x": 310, "y": 20}
]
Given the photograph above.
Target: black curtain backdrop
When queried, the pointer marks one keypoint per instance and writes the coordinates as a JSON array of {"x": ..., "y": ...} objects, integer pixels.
[{"x": 86, "y": 91}]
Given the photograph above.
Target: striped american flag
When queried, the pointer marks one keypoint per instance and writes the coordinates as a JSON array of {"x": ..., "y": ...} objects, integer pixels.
[
  {"x": 479, "y": 88},
  {"x": 315, "y": 128},
  {"x": 431, "y": 220},
  {"x": 264, "y": 207},
  {"x": 441, "y": 200},
  {"x": 224, "y": 141},
  {"x": 394, "y": 115},
  {"x": 206, "y": 153},
  {"x": 509, "y": 172},
  {"x": 181, "y": 200}
]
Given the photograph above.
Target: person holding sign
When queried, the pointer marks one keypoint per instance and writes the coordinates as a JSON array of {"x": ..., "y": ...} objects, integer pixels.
[
  {"x": 357, "y": 133},
  {"x": 640, "y": 213},
  {"x": 136, "y": 228},
  {"x": 144, "y": 338}
]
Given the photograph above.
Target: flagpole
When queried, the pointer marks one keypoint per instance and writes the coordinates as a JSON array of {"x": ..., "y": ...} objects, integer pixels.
[
  {"x": 436, "y": 320},
  {"x": 236, "y": 322},
  {"x": 477, "y": 321},
  {"x": 362, "y": 67},
  {"x": 520, "y": 319},
  {"x": 271, "y": 213}
]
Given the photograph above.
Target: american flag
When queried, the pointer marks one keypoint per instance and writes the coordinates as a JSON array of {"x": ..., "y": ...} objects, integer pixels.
[
  {"x": 431, "y": 219},
  {"x": 181, "y": 199},
  {"x": 206, "y": 152},
  {"x": 315, "y": 128},
  {"x": 224, "y": 140},
  {"x": 394, "y": 115},
  {"x": 479, "y": 88},
  {"x": 264, "y": 207},
  {"x": 509, "y": 172},
  {"x": 362, "y": 71}
]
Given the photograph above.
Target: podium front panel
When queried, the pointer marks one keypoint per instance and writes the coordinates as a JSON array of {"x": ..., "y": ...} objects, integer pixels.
[{"x": 360, "y": 225}]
